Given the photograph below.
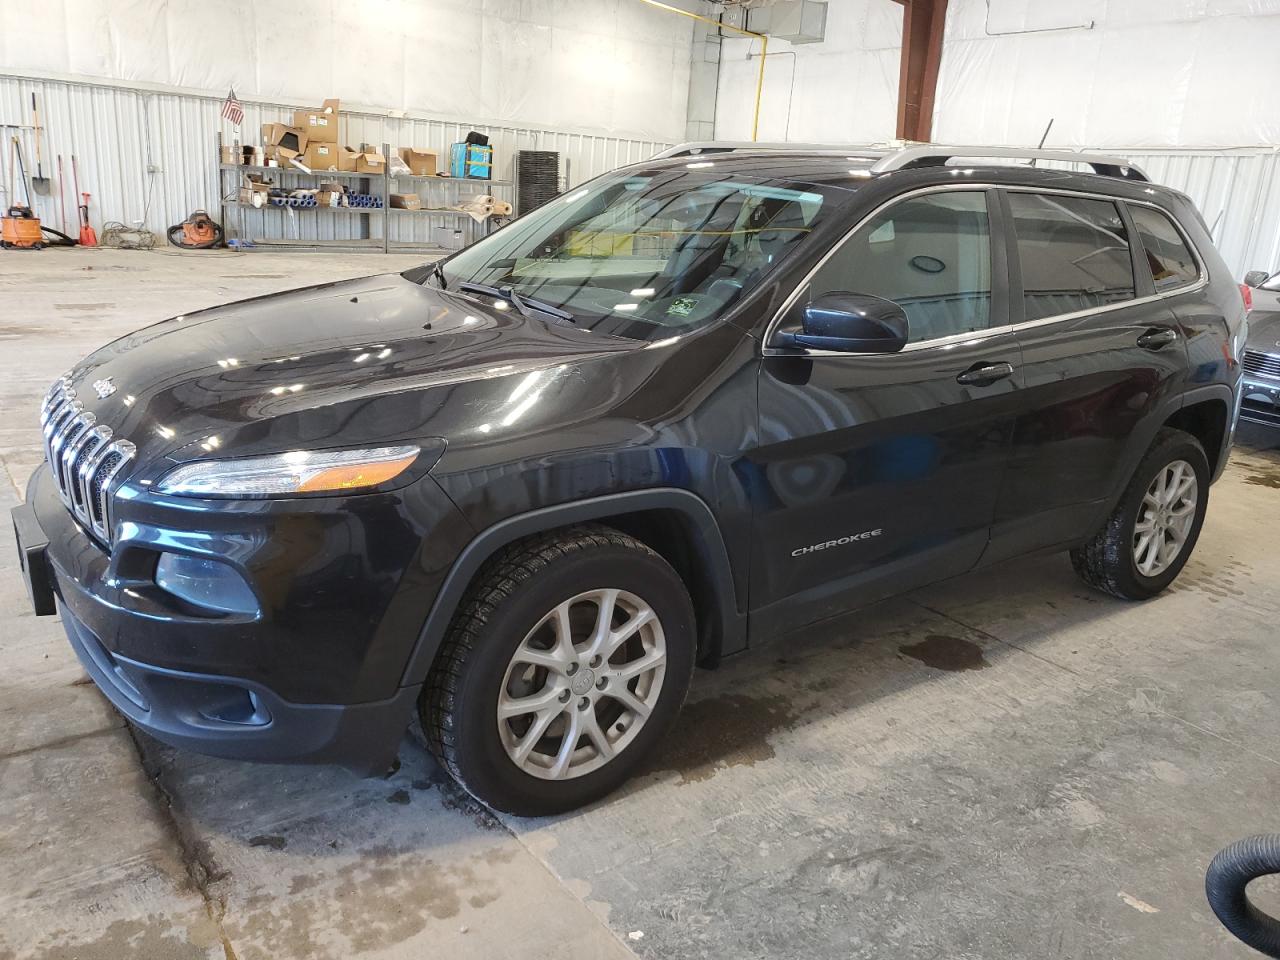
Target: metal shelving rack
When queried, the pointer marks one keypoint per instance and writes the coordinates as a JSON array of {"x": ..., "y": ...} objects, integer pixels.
[{"x": 367, "y": 181}]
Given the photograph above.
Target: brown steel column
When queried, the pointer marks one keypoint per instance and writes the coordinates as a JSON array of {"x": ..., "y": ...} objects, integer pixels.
[{"x": 922, "y": 25}]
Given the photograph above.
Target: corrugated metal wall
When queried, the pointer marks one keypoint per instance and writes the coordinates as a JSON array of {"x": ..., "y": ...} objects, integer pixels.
[
  {"x": 1238, "y": 191},
  {"x": 119, "y": 134}
]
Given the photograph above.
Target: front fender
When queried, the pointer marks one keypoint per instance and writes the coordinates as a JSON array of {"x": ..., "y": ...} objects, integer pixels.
[{"x": 709, "y": 544}]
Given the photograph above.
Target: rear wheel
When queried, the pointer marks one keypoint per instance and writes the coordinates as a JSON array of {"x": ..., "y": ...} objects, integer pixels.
[
  {"x": 567, "y": 661},
  {"x": 1149, "y": 536}
]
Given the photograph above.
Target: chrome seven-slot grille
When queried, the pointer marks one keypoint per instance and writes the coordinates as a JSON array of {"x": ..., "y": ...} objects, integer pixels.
[
  {"x": 1267, "y": 364},
  {"x": 84, "y": 458}
]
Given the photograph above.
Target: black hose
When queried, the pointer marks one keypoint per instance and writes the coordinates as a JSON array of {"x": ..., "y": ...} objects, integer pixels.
[
  {"x": 1225, "y": 882},
  {"x": 62, "y": 239}
]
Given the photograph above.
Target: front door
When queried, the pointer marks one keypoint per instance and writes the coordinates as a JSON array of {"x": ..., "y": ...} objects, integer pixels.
[{"x": 878, "y": 473}]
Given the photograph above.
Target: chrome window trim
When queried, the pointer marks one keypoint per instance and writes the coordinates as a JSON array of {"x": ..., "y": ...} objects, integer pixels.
[{"x": 1201, "y": 281}]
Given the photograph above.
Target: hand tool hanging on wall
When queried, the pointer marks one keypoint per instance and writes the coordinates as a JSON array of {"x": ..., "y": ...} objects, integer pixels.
[
  {"x": 62, "y": 197},
  {"x": 87, "y": 237},
  {"x": 22, "y": 170},
  {"x": 40, "y": 181}
]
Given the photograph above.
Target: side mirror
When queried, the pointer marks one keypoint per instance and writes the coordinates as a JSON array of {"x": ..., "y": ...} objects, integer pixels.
[
  {"x": 1256, "y": 278},
  {"x": 849, "y": 323}
]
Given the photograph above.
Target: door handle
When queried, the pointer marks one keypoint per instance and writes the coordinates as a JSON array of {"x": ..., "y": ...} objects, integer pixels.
[
  {"x": 985, "y": 374},
  {"x": 1157, "y": 338}
]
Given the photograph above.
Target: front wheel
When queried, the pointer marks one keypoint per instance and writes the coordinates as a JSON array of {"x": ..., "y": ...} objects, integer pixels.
[
  {"x": 1149, "y": 536},
  {"x": 565, "y": 664}
]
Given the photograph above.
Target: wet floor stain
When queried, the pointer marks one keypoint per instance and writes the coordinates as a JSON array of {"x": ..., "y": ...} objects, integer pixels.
[
  {"x": 274, "y": 841},
  {"x": 400, "y": 797},
  {"x": 74, "y": 307},
  {"x": 943, "y": 652},
  {"x": 1271, "y": 480},
  {"x": 725, "y": 731}
]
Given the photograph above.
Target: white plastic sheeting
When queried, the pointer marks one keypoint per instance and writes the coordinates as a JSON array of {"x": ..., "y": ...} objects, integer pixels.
[
  {"x": 617, "y": 67},
  {"x": 844, "y": 89},
  {"x": 118, "y": 133},
  {"x": 1110, "y": 73}
]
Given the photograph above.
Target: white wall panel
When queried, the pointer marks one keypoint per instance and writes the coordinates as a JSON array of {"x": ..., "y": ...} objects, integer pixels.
[
  {"x": 1133, "y": 73},
  {"x": 844, "y": 89}
]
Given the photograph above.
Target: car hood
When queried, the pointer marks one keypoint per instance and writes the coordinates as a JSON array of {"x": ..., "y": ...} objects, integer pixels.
[{"x": 360, "y": 361}]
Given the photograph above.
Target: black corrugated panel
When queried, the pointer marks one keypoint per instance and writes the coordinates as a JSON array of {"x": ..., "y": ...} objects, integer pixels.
[{"x": 537, "y": 178}]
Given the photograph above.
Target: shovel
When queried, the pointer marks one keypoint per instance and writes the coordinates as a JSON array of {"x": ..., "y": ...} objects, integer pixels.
[
  {"x": 22, "y": 171},
  {"x": 39, "y": 183}
]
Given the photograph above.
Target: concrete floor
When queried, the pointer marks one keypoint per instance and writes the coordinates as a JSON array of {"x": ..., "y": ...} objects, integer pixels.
[{"x": 1007, "y": 765}]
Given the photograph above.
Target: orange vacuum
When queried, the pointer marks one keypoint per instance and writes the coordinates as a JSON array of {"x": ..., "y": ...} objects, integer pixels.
[
  {"x": 20, "y": 230},
  {"x": 198, "y": 232}
]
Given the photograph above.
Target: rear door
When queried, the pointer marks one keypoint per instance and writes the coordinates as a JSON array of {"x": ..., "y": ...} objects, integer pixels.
[
  {"x": 1101, "y": 353},
  {"x": 876, "y": 473}
]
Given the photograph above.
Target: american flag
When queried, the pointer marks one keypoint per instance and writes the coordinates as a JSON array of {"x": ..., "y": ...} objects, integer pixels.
[{"x": 232, "y": 108}]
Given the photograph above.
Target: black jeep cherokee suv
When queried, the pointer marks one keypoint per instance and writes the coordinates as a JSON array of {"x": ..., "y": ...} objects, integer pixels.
[{"x": 693, "y": 404}]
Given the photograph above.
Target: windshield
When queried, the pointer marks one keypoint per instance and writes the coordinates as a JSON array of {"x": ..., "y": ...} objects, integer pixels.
[{"x": 646, "y": 256}]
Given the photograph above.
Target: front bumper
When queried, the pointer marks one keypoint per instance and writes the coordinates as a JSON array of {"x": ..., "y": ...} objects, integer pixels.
[
  {"x": 315, "y": 676},
  {"x": 1260, "y": 400},
  {"x": 225, "y": 717}
]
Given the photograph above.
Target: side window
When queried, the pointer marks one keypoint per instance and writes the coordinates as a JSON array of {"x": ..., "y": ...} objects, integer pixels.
[
  {"x": 931, "y": 255},
  {"x": 1171, "y": 263},
  {"x": 1074, "y": 254}
]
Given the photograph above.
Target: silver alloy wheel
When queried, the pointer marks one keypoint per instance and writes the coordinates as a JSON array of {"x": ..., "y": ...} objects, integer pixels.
[
  {"x": 581, "y": 684},
  {"x": 1165, "y": 518}
]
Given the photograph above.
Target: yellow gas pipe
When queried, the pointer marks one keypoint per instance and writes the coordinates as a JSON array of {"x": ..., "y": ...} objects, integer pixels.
[{"x": 764, "y": 49}]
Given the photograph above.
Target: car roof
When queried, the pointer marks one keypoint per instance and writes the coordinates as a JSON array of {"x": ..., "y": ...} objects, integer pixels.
[{"x": 853, "y": 166}]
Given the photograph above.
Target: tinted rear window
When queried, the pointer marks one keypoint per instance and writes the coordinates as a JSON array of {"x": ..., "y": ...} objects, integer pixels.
[
  {"x": 1074, "y": 254},
  {"x": 1172, "y": 264}
]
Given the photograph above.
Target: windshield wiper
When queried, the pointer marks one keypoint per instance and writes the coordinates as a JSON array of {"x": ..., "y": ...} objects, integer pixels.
[{"x": 522, "y": 303}]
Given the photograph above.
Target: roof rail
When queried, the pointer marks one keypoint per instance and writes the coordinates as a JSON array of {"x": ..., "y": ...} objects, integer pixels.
[
  {"x": 896, "y": 157},
  {"x": 869, "y": 151},
  {"x": 931, "y": 155}
]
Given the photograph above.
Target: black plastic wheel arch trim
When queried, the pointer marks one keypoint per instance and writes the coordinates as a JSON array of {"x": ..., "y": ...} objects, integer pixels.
[{"x": 710, "y": 546}]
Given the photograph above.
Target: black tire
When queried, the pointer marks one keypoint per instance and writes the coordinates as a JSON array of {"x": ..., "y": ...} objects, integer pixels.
[
  {"x": 1106, "y": 562},
  {"x": 511, "y": 593}
]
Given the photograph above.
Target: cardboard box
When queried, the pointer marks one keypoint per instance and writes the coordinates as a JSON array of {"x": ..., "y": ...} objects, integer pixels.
[
  {"x": 231, "y": 154},
  {"x": 406, "y": 201},
  {"x": 347, "y": 159},
  {"x": 321, "y": 156},
  {"x": 253, "y": 190},
  {"x": 450, "y": 238},
  {"x": 371, "y": 161},
  {"x": 319, "y": 123},
  {"x": 283, "y": 142},
  {"x": 421, "y": 162}
]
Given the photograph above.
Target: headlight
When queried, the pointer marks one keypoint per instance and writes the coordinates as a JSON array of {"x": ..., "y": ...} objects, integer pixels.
[{"x": 285, "y": 474}]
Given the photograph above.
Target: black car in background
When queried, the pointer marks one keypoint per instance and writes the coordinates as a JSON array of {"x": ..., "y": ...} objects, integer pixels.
[
  {"x": 686, "y": 407},
  {"x": 1261, "y": 399}
]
